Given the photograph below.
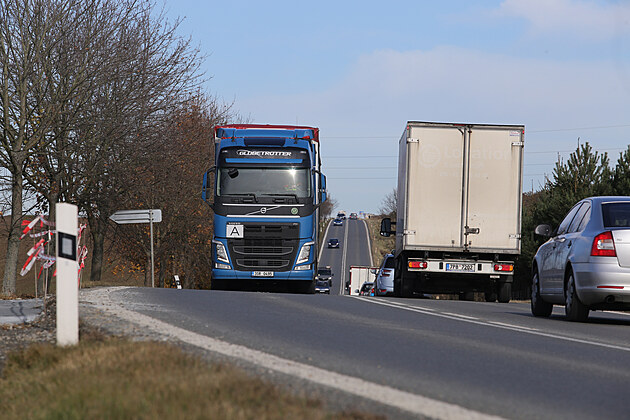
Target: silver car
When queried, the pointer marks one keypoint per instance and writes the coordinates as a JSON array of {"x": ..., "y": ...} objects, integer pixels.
[
  {"x": 385, "y": 277},
  {"x": 585, "y": 264}
]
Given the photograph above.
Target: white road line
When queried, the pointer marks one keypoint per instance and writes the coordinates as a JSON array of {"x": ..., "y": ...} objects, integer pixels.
[
  {"x": 493, "y": 324},
  {"x": 321, "y": 248},
  {"x": 369, "y": 242},
  {"x": 343, "y": 255},
  {"x": 459, "y": 315},
  {"x": 413, "y": 403}
]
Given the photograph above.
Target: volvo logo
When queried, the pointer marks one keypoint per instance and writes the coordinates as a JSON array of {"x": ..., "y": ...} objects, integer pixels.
[{"x": 263, "y": 210}]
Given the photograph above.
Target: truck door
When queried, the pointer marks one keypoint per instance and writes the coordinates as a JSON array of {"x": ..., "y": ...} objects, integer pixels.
[
  {"x": 434, "y": 186},
  {"x": 493, "y": 199}
]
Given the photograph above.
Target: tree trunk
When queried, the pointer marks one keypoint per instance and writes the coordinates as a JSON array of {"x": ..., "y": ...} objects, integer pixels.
[
  {"x": 13, "y": 246},
  {"x": 97, "y": 232}
]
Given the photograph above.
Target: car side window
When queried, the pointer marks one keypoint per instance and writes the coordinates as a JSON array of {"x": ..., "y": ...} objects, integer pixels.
[
  {"x": 567, "y": 220},
  {"x": 579, "y": 217},
  {"x": 585, "y": 220}
]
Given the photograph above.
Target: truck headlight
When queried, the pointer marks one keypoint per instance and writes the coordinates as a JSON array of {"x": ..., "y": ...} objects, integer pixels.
[
  {"x": 221, "y": 252},
  {"x": 305, "y": 253}
]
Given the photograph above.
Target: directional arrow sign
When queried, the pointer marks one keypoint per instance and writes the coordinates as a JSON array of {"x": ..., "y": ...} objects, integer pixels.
[
  {"x": 137, "y": 216},
  {"x": 140, "y": 216}
]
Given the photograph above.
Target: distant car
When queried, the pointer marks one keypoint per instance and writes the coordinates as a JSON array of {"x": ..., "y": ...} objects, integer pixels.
[
  {"x": 385, "y": 277},
  {"x": 325, "y": 274},
  {"x": 341, "y": 215},
  {"x": 353, "y": 216},
  {"x": 367, "y": 289},
  {"x": 337, "y": 222},
  {"x": 585, "y": 264},
  {"x": 322, "y": 286},
  {"x": 333, "y": 243}
]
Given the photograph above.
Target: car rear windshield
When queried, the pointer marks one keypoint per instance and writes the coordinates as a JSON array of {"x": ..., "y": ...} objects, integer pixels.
[
  {"x": 390, "y": 263},
  {"x": 616, "y": 214}
]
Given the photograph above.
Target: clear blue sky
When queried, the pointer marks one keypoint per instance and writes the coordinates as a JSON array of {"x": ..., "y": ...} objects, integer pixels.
[{"x": 359, "y": 70}]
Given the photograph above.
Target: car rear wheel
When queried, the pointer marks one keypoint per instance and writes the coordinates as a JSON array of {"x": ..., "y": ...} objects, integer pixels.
[
  {"x": 574, "y": 309},
  {"x": 539, "y": 306}
]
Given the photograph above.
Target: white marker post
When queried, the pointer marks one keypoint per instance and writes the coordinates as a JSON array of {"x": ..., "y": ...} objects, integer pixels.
[{"x": 67, "y": 275}]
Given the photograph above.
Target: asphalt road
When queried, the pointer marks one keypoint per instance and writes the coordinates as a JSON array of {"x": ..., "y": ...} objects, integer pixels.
[
  {"x": 353, "y": 250},
  {"x": 429, "y": 357}
]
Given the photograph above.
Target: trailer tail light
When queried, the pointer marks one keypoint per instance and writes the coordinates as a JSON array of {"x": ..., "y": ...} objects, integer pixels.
[
  {"x": 418, "y": 264},
  {"x": 603, "y": 245},
  {"x": 504, "y": 267}
]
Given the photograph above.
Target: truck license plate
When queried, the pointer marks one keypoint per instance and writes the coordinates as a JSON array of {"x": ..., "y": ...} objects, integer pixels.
[
  {"x": 461, "y": 268},
  {"x": 262, "y": 273}
]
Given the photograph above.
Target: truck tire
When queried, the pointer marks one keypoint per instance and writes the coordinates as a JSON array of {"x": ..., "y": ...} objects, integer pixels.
[
  {"x": 468, "y": 296},
  {"x": 490, "y": 296},
  {"x": 504, "y": 292}
]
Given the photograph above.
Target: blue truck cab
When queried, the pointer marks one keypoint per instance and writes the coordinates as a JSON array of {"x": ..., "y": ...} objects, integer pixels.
[{"x": 265, "y": 196}]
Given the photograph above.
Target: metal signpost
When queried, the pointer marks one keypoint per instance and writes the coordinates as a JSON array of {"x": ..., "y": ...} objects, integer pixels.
[
  {"x": 150, "y": 216},
  {"x": 67, "y": 275}
]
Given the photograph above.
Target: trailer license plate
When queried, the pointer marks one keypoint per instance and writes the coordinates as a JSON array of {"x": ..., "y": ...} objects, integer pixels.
[
  {"x": 262, "y": 273},
  {"x": 461, "y": 268}
]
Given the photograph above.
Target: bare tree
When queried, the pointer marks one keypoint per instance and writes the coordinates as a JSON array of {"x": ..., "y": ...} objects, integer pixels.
[
  {"x": 389, "y": 204},
  {"x": 171, "y": 180},
  {"x": 33, "y": 98}
]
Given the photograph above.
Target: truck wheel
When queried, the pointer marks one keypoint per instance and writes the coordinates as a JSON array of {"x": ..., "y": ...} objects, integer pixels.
[
  {"x": 217, "y": 284},
  {"x": 574, "y": 308},
  {"x": 406, "y": 286},
  {"x": 504, "y": 292},
  {"x": 490, "y": 296},
  {"x": 468, "y": 296},
  {"x": 309, "y": 287},
  {"x": 539, "y": 306}
]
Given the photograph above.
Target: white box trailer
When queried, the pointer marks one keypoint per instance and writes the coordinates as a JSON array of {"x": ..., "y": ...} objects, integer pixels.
[
  {"x": 358, "y": 276},
  {"x": 458, "y": 224}
]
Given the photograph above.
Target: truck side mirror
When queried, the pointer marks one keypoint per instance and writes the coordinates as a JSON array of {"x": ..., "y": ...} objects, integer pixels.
[
  {"x": 386, "y": 227},
  {"x": 206, "y": 189},
  {"x": 322, "y": 184}
]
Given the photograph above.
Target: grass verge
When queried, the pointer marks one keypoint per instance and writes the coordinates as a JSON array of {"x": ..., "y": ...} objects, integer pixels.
[
  {"x": 110, "y": 378},
  {"x": 380, "y": 244}
]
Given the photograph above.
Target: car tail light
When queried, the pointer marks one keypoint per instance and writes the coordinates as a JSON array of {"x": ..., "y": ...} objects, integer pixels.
[
  {"x": 382, "y": 290},
  {"x": 610, "y": 287},
  {"x": 387, "y": 271},
  {"x": 504, "y": 267},
  {"x": 603, "y": 245},
  {"x": 418, "y": 264}
]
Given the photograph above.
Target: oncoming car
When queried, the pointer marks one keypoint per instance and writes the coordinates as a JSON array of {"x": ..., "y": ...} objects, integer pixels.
[
  {"x": 585, "y": 264},
  {"x": 337, "y": 222},
  {"x": 322, "y": 286},
  {"x": 333, "y": 243}
]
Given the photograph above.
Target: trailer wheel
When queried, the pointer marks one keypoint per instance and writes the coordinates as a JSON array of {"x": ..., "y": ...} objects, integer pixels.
[
  {"x": 504, "y": 292},
  {"x": 490, "y": 296}
]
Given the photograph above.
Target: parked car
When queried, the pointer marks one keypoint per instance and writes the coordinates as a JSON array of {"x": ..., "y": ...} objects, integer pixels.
[
  {"x": 367, "y": 289},
  {"x": 322, "y": 286},
  {"x": 585, "y": 264},
  {"x": 385, "y": 277},
  {"x": 333, "y": 243},
  {"x": 337, "y": 222}
]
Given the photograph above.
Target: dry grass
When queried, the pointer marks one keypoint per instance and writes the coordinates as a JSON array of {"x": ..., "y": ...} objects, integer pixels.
[
  {"x": 380, "y": 244},
  {"x": 111, "y": 378}
]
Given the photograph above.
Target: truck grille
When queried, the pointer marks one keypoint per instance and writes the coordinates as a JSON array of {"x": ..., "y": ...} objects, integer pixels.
[{"x": 265, "y": 247}]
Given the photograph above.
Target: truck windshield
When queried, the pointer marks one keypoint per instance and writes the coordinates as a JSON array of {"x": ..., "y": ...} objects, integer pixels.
[{"x": 290, "y": 182}]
